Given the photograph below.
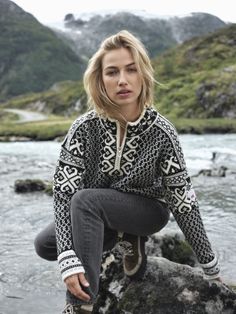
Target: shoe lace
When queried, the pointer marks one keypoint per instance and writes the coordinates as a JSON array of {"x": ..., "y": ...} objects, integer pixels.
[
  {"x": 124, "y": 248},
  {"x": 70, "y": 309}
]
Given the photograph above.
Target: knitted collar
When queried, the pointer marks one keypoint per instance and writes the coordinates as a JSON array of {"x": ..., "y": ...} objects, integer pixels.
[{"x": 136, "y": 127}]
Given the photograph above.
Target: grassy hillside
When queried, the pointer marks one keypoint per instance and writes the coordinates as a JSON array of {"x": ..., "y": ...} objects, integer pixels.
[
  {"x": 32, "y": 57},
  {"x": 199, "y": 77},
  {"x": 63, "y": 99}
]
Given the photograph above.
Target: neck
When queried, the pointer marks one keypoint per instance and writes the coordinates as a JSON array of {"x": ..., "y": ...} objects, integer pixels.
[{"x": 130, "y": 113}]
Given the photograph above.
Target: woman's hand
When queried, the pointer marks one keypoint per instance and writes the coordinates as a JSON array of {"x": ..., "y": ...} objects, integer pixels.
[{"x": 74, "y": 283}]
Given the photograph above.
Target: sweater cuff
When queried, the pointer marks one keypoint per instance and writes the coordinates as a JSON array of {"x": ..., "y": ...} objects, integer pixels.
[
  {"x": 211, "y": 269},
  {"x": 69, "y": 264}
]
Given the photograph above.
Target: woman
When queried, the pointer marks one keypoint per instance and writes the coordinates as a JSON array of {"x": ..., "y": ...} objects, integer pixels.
[{"x": 121, "y": 169}]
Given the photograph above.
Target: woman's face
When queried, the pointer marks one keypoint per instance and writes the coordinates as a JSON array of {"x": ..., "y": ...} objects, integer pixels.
[{"x": 121, "y": 79}]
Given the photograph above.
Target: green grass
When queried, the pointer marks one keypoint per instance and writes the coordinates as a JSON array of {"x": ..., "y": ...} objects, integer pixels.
[
  {"x": 59, "y": 100},
  {"x": 7, "y": 117},
  {"x": 39, "y": 131},
  {"x": 58, "y": 127},
  {"x": 199, "y": 77},
  {"x": 200, "y": 126}
]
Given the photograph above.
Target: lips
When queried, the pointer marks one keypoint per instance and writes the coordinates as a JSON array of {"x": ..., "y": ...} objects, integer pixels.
[{"x": 124, "y": 92}]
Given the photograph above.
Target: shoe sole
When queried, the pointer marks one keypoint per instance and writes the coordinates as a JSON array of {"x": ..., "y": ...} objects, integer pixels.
[{"x": 138, "y": 271}]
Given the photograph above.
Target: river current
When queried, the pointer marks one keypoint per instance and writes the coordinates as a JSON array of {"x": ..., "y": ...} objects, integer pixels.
[{"x": 29, "y": 284}]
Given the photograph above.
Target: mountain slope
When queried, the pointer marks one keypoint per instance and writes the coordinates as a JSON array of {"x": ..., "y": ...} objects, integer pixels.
[
  {"x": 157, "y": 34},
  {"x": 199, "y": 77},
  {"x": 32, "y": 57}
]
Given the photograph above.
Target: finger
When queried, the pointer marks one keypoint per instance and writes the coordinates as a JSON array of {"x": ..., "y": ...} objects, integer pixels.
[
  {"x": 83, "y": 280},
  {"x": 76, "y": 290},
  {"x": 80, "y": 294},
  {"x": 74, "y": 287}
]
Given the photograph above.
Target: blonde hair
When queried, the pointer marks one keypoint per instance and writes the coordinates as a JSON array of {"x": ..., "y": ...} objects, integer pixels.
[{"x": 93, "y": 82}]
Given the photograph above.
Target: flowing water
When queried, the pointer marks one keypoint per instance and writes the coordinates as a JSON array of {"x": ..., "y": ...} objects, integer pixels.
[{"x": 29, "y": 284}]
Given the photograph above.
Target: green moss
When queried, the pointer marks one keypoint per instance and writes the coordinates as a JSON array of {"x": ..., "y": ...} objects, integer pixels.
[
  {"x": 177, "y": 250},
  {"x": 48, "y": 189}
]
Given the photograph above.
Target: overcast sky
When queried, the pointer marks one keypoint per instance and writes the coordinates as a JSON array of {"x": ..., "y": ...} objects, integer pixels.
[{"x": 51, "y": 11}]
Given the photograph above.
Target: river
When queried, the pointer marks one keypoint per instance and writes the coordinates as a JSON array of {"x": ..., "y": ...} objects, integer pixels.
[{"x": 29, "y": 284}]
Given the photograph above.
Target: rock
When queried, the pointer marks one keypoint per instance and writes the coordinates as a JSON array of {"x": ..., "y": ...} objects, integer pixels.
[
  {"x": 173, "y": 247},
  {"x": 167, "y": 288},
  {"x": 29, "y": 185},
  {"x": 217, "y": 100},
  {"x": 214, "y": 172}
]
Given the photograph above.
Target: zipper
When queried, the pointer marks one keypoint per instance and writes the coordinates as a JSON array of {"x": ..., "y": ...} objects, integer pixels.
[{"x": 119, "y": 147}]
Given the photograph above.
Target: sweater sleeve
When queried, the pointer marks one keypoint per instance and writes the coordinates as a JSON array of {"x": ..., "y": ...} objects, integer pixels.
[
  {"x": 67, "y": 180},
  {"x": 182, "y": 202}
]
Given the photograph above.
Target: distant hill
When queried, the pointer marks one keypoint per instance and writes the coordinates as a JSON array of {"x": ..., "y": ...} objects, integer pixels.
[
  {"x": 32, "y": 57},
  {"x": 199, "y": 77},
  {"x": 157, "y": 34}
]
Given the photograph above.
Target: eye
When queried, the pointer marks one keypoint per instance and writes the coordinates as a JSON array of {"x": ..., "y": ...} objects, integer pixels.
[
  {"x": 132, "y": 70},
  {"x": 111, "y": 72}
]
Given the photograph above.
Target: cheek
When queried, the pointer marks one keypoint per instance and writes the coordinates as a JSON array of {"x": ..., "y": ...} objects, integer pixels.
[
  {"x": 139, "y": 85},
  {"x": 108, "y": 85}
]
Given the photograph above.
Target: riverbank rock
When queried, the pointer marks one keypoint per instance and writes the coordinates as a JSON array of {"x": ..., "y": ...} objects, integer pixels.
[
  {"x": 9, "y": 138},
  {"x": 214, "y": 172},
  {"x": 32, "y": 185},
  {"x": 166, "y": 288},
  {"x": 173, "y": 247}
]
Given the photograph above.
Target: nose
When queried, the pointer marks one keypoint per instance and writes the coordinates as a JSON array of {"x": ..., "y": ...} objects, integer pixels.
[{"x": 122, "y": 79}]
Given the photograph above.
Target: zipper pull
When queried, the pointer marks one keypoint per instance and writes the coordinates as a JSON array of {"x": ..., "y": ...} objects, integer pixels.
[{"x": 119, "y": 152}]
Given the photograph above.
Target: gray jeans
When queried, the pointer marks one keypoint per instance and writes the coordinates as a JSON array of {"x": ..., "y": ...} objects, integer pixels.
[{"x": 97, "y": 215}]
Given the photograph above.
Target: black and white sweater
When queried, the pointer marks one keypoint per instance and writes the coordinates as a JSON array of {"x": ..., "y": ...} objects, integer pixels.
[{"x": 149, "y": 162}]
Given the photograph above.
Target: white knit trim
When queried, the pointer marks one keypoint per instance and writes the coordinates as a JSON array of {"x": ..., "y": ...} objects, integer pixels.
[
  {"x": 208, "y": 277},
  {"x": 210, "y": 264},
  {"x": 72, "y": 271},
  {"x": 212, "y": 269},
  {"x": 69, "y": 264}
]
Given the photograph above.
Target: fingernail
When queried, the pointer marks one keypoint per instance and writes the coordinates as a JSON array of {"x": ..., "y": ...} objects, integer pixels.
[{"x": 86, "y": 284}]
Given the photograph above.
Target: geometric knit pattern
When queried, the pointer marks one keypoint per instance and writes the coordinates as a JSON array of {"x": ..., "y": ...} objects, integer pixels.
[
  {"x": 150, "y": 162},
  {"x": 69, "y": 264}
]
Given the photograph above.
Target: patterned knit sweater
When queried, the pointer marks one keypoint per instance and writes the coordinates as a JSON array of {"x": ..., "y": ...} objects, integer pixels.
[{"x": 148, "y": 162}]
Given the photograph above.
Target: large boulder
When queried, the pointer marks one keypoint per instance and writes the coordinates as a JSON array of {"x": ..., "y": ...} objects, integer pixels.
[{"x": 166, "y": 288}]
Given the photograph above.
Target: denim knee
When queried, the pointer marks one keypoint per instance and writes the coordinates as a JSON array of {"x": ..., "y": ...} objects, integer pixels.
[
  {"x": 44, "y": 248},
  {"x": 85, "y": 199},
  {"x": 81, "y": 196}
]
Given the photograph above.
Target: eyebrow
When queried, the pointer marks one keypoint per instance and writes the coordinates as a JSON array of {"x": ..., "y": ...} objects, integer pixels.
[{"x": 114, "y": 67}]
